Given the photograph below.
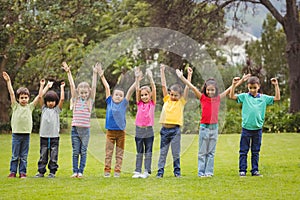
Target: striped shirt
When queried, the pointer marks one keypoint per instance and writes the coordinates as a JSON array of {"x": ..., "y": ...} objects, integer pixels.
[{"x": 82, "y": 113}]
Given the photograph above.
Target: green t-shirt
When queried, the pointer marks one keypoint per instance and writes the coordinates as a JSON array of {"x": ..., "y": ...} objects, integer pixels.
[
  {"x": 253, "y": 109},
  {"x": 21, "y": 120}
]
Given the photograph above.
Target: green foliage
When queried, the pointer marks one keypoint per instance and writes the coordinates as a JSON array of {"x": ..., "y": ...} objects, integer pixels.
[{"x": 269, "y": 53}]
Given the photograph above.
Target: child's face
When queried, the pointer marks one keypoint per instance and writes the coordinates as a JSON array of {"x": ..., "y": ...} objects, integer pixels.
[
  {"x": 210, "y": 90},
  {"x": 84, "y": 93},
  {"x": 23, "y": 99},
  {"x": 50, "y": 104},
  {"x": 118, "y": 96},
  {"x": 174, "y": 95},
  {"x": 145, "y": 96},
  {"x": 253, "y": 88}
]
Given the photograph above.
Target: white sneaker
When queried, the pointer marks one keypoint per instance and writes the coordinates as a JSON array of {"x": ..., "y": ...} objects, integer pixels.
[
  {"x": 80, "y": 175},
  {"x": 75, "y": 175},
  {"x": 145, "y": 175},
  {"x": 106, "y": 174},
  {"x": 136, "y": 175}
]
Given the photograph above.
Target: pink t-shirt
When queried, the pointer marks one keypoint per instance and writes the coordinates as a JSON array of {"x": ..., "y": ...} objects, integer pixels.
[
  {"x": 210, "y": 109},
  {"x": 145, "y": 113}
]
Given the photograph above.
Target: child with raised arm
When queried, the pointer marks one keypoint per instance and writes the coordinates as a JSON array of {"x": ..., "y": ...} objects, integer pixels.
[
  {"x": 115, "y": 123},
  {"x": 208, "y": 132},
  {"x": 171, "y": 119},
  {"x": 49, "y": 130},
  {"x": 83, "y": 98},
  {"x": 146, "y": 101},
  {"x": 253, "y": 116},
  {"x": 21, "y": 124}
]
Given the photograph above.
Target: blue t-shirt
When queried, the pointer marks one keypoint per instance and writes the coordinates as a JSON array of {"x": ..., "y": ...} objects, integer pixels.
[
  {"x": 115, "y": 114},
  {"x": 253, "y": 109}
]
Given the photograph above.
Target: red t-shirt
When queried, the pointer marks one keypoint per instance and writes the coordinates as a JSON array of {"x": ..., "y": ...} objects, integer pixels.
[{"x": 210, "y": 109}]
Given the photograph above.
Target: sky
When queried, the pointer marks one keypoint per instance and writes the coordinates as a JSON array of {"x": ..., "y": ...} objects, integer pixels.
[{"x": 254, "y": 22}]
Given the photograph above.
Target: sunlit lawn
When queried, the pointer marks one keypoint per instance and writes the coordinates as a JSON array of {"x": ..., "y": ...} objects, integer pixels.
[{"x": 279, "y": 163}]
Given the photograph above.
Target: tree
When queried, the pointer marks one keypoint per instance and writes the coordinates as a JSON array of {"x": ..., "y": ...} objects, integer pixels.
[
  {"x": 290, "y": 22},
  {"x": 190, "y": 18},
  {"x": 269, "y": 54}
]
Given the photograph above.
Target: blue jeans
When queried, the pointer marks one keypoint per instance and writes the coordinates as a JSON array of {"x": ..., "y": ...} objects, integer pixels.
[
  {"x": 207, "y": 146},
  {"x": 20, "y": 147},
  {"x": 169, "y": 136},
  {"x": 144, "y": 142},
  {"x": 250, "y": 138},
  {"x": 80, "y": 139}
]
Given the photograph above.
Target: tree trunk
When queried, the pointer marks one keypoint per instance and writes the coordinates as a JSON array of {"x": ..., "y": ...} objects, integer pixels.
[
  {"x": 4, "y": 103},
  {"x": 293, "y": 58}
]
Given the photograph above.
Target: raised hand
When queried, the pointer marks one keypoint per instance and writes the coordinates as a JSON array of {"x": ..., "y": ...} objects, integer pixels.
[
  {"x": 62, "y": 84},
  {"x": 274, "y": 81},
  {"x": 6, "y": 76},
  {"x": 98, "y": 66},
  {"x": 66, "y": 67},
  {"x": 179, "y": 73},
  {"x": 235, "y": 80}
]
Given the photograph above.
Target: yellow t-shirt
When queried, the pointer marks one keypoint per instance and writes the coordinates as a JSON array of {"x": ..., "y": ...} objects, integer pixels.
[{"x": 172, "y": 111}]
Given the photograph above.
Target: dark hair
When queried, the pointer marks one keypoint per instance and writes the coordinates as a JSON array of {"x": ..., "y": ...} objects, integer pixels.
[
  {"x": 51, "y": 96},
  {"x": 253, "y": 80},
  {"x": 22, "y": 90},
  {"x": 210, "y": 81},
  {"x": 177, "y": 88},
  {"x": 119, "y": 88}
]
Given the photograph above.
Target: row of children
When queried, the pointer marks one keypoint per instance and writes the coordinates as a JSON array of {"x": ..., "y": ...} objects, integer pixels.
[{"x": 171, "y": 118}]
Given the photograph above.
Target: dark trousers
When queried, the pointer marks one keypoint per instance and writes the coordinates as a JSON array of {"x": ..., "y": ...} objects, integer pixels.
[
  {"x": 250, "y": 139},
  {"x": 48, "y": 154}
]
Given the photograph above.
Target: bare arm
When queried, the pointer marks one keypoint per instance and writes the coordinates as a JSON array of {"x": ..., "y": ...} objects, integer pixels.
[
  {"x": 62, "y": 95},
  {"x": 137, "y": 73},
  {"x": 163, "y": 80},
  {"x": 238, "y": 81},
  {"x": 188, "y": 83},
  {"x": 104, "y": 81},
  {"x": 70, "y": 78},
  {"x": 153, "y": 87},
  {"x": 9, "y": 87},
  {"x": 186, "y": 89},
  {"x": 94, "y": 80},
  {"x": 40, "y": 95},
  {"x": 130, "y": 91},
  {"x": 277, "y": 90},
  {"x": 49, "y": 85}
]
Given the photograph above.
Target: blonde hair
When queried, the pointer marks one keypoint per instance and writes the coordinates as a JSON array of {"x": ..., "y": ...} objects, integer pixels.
[{"x": 147, "y": 88}]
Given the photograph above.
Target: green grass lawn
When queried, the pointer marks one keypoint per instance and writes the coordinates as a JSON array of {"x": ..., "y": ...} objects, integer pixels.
[{"x": 279, "y": 163}]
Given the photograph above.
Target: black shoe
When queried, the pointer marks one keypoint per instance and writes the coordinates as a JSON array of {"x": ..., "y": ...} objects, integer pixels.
[
  {"x": 159, "y": 175},
  {"x": 51, "y": 175},
  {"x": 39, "y": 175},
  {"x": 256, "y": 174}
]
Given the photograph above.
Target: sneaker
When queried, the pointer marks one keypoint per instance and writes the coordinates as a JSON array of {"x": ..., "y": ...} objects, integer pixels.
[
  {"x": 177, "y": 175},
  {"x": 159, "y": 175},
  {"x": 23, "y": 175},
  {"x": 256, "y": 174},
  {"x": 51, "y": 175},
  {"x": 145, "y": 175},
  {"x": 74, "y": 175},
  {"x": 106, "y": 174},
  {"x": 208, "y": 175},
  {"x": 242, "y": 174},
  {"x": 117, "y": 175},
  {"x": 39, "y": 175},
  {"x": 79, "y": 175},
  {"x": 136, "y": 175},
  {"x": 12, "y": 175}
]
